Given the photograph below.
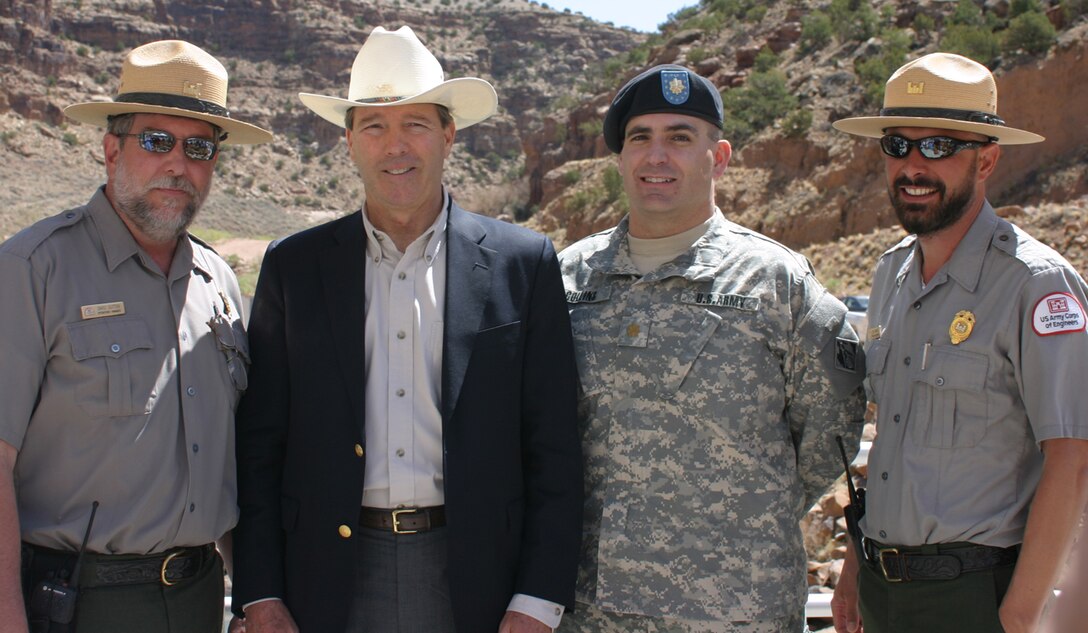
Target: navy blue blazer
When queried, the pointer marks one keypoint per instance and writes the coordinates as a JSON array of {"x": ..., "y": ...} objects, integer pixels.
[{"x": 513, "y": 478}]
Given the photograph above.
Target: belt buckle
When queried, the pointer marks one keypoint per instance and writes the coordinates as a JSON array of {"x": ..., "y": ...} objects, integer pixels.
[
  {"x": 396, "y": 520},
  {"x": 165, "y": 563},
  {"x": 883, "y": 567}
]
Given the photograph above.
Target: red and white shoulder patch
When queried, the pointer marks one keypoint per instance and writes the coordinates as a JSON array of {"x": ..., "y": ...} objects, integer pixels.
[{"x": 1058, "y": 313}]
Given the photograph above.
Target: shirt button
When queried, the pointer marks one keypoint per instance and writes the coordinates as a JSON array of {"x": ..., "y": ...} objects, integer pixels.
[
  {"x": 345, "y": 531},
  {"x": 896, "y": 418},
  {"x": 917, "y": 305},
  {"x": 883, "y": 534},
  {"x": 400, "y": 393},
  {"x": 884, "y": 476},
  {"x": 184, "y": 336},
  {"x": 1003, "y": 238},
  {"x": 906, "y": 361},
  {"x": 115, "y": 348},
  {"x": 191, "y": 391},
  {"x": 69, "y": 215},
  {"x": 377, "y": 259},
  {"x": 400, "y": 334},
  {"x": 359, "y": 452},
  {"x": 196, "y": 448},
  {"x": 401, "y": 275},
  {"x": 429, "y": 258},
  {"x": 400, "y": 452},
  {"x": 940, "y": 381},
  {"x": 558, "y": 611},
  {"x": 192, "y": 506}
]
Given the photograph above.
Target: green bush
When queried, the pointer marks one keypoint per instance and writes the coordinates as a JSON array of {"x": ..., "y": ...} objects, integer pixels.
[
  {"x": 613, "y": 183},
  {"x": 976, "y": 42},
  {"x": 765, "y": 60},
  {"x": 591, "y": 128},
  {"x": 797, "y": 123},
  {"x": 815, "y": 31},
  {"x": 967, "y": 13},
  {"x": 923, "y": 23},
  {"x": 1030, "y": 32},
  {"x": 697, "y": 54},
  {"x": 874, "y": 71},
  {"x": 70, "y": 138},
  {"x": 1020, "y": 7},
  {"x": 571, "y": 177},
  {"x": 1073, "y": 9},
  {"x": 756, "y": 105},
  {"x": 853, "y": 20}
]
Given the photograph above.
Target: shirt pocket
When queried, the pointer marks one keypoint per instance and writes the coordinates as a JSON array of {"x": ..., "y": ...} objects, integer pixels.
[
  {"x": 951, "y": 408},
  {"x": 116, "y": 375},
  {"x": 876, "y": 358}
]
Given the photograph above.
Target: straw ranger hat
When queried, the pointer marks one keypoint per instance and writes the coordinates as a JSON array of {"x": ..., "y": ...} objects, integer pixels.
[
  {"x": 176, "y": 78},
  {"x": 940, "y": 90},
  {"x": 394, "y": 68}
]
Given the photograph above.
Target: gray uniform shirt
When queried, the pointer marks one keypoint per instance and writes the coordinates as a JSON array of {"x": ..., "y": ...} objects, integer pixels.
[
  {"x": 710, "y": 397},
  {"x": 956, "y": 456},
  {"x": 134, "y": 410}
]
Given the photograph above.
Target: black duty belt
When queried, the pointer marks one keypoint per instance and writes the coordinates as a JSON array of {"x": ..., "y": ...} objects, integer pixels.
[
  {"x": 403, "y": 520},
  {"x": 105, "y": 570},
  {"x": 937, "y": 562}
]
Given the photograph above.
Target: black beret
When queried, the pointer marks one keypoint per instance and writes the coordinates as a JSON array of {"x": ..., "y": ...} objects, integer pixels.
[{"x": 665, "y": 88}]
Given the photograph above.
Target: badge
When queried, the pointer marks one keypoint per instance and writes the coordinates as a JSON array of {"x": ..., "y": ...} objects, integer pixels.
[
  {"x": 846, "y": 355},
  {"x": 1057, "y": 313},
  {"x": 874, "y": 333},
  {"x": 675, "y": 86},
  {"x": 226, "y": 303},
  {"x": 99, "y": 310},
  {"x": 961, "y": 326}
]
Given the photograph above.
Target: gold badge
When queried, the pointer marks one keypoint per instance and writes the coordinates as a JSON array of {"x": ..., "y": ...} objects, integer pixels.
[
  {"x": 633, "y": 330},
  {"x": 916, "y": 88},
  {"x": 961, "y": 326}
]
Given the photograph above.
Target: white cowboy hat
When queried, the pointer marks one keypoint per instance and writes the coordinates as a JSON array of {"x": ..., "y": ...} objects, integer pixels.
[
  {"x": 176, "y": 78},
  {"x": 394, "y": 68},
  {"x": 940, "y": 90}
]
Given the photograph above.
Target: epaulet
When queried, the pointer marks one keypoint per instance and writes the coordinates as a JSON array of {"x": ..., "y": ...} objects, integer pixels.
[
  {"x": 906, "y": 242},
  {"x": 201, "y": 242},
  {"x": 25, "y": 242}
]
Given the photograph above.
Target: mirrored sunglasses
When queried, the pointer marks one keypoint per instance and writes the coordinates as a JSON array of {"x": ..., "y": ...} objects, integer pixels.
[
  {"x": 931, "y": 147},
  {"x": 162, "y": 142}
]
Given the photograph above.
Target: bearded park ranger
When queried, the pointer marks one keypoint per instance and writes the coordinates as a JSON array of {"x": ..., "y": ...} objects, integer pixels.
[
  {"x": 124, "y": 357},
  {"x": 715, "y": 373},
  {"x": 977, "y": 354}
]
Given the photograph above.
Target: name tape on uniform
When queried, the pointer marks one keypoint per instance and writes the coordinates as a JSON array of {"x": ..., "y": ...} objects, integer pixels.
[
  {"x": 1058, "y": 313},
  {"x": 718, "y": 300},
  {"x": 99, "y": 310},
  {"x": 595, "y": 295}
]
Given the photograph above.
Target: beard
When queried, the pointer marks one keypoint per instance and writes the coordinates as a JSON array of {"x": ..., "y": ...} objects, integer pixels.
[
  {"x": 163, "y": 222},
  {"x": 923, "y": 219}
]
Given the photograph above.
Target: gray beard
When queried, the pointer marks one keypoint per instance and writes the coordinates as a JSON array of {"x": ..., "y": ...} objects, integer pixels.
[{"x": 162, "y": 223}]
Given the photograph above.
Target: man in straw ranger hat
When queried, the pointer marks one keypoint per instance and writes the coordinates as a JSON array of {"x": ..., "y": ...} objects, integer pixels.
[
  {"x": 715, "y": 373},
  {"x": 977, "y": 354},
  {"x": 408, "y": 457},
  {"x": 124, "y": 358}
]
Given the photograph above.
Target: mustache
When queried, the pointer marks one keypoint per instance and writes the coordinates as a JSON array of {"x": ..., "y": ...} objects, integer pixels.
[
  {"x": 173, "y": 182},
  {"x": 903, "y": 181}
]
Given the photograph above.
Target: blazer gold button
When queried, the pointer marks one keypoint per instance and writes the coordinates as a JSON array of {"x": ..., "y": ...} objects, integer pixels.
[
  {"x": 358, "y": 450},
  {"x": 345, "y": 531}
]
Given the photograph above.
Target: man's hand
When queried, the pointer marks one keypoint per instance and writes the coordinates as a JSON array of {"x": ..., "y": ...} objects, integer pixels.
[
  {"x": 515, "y": 622},
  {"x": 237, "y": 625},
  {"x": 270, "y": 616},
  {"x": 844, "y": 603}
]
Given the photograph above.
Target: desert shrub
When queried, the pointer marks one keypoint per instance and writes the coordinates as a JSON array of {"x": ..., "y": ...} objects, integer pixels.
[
  {"x": 579, "y": 201},
  {"x": 1030, "y": 32},
  {"x": 697, "y": 54},
  {"x": 765, "y": 60},
  {"x": 591, "y": 128},
  {"x": 976, "y": 42},
  {"x": 967, "y": 13},
  {"x": 874, "y": 71},
  {"x": 70, "y": 138},
  {"x": 1021, "y": 7},
  {"x": 1073, "y": 9},
  {"x": 853, "y": 20},
  {"x": 756, "y": 105},
  {"x": 815, "y": 31},
  {"x": 613, "y": 183},
  {"x": 923, "y": 23},
  {"x": 797, "y": 123},
  {"x": 571, "y": 177}
]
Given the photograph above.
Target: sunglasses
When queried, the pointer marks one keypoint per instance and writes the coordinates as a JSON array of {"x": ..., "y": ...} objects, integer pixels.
[
  {"x": 162, "y": 142},
  {"x": 931, "y": 147}
]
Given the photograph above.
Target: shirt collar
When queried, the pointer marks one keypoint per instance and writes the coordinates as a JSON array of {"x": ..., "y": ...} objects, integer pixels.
[
  {"x": 698, "y": 263},
  {"x": 379, "y": 245},
  {"x": 119, "y": 245},
  {"x": 965, "y": 265}
]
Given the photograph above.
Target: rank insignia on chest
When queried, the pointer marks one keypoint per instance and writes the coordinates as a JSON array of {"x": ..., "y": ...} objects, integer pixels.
[{"x": 961, "y": 327}]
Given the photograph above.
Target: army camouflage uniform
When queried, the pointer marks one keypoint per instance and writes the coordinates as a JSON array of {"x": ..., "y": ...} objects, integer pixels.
[{"x": 711, "y": 392}]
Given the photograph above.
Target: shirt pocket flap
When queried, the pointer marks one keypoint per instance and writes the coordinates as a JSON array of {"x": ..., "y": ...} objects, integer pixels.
[
  {"x": 876, "y": 356},
  {"x": 950, "y": 369},
  {"x": 112, "y": 338}
]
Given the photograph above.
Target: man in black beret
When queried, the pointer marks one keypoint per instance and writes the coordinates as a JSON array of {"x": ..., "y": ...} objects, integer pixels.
[{"x": 715, "y": 371}]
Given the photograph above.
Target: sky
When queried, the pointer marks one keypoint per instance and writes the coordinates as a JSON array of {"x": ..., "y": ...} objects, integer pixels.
[{"x": 642, "y": 15}]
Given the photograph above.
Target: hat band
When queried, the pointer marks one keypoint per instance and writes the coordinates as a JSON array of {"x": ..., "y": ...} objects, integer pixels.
[
  {"x": 174, "y": 101},
  {"x": 380, "y": 100},
  {"x": 970, "y": 116}
]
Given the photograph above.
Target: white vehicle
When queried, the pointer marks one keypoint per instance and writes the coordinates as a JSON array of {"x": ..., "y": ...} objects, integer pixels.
[{"x": 857, "y": 307}]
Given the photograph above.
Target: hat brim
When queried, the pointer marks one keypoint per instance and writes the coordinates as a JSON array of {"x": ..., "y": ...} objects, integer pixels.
[
  {"x": 469, "y": 100},
  {"x": 97, "y": 113},
  {"x": 874, "y": 126}
]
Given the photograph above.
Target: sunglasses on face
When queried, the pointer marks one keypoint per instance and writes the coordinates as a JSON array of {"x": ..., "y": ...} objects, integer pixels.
[
  {"x": 162, "y": 142},
  {"x": 931, "y": 147}
]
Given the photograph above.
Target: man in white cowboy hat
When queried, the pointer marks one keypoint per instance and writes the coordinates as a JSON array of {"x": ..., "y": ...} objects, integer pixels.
[
  {"x": 977, "y": 354},
  {"x": 124, "y": 357},
  {"x": 408, "y": 457}
]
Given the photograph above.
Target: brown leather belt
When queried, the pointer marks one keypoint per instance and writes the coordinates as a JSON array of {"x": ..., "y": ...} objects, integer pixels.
[
  {"x": 107, "y": 570},
  {"x": 938, "y": 562},
  {"x": 403, "y": 520}
]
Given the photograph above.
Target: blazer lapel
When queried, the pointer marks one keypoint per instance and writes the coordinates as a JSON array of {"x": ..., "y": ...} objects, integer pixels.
[
  {"x": 343, "y": 277},
  {"x": 468, "y": 284}
]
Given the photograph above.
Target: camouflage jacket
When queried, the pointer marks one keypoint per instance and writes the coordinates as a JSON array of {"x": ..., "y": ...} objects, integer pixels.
[{"x": 711, "y": 392}]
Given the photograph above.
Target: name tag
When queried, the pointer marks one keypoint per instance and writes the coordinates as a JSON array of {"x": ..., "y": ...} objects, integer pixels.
[
  {"x": 714, "y": 299},
  {"x": 595, "y": 295},
  {"x": 99, "y": 310}
]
